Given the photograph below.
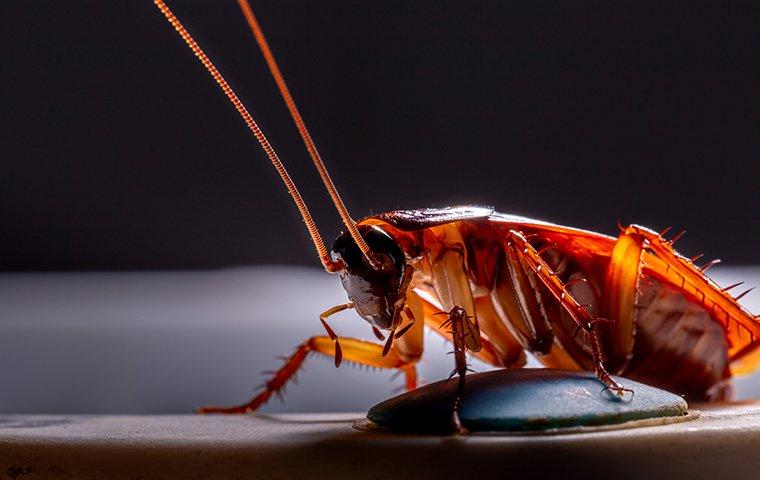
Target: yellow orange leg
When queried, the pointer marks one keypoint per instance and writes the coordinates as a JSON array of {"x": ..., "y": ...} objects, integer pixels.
[
  {"x": 533, "y": 261},
  {"x": 620, "y": 301},
  {"x": 357, "y": 351}
]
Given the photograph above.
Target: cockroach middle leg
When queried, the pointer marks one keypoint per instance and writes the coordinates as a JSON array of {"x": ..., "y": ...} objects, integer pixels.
[
  {"x": 356, "y": 351},
  {"x": 458, "y": 322}
]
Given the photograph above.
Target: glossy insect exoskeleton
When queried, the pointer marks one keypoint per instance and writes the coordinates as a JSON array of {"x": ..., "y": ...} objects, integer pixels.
[{"x": 507, "y": 285}]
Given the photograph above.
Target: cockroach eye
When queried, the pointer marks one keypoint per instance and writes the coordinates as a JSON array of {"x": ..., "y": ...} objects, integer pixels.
[{"x": 373, "y": 291}]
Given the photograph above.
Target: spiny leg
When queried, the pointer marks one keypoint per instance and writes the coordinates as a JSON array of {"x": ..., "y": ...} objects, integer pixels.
[
  {"x": 410, "y": 377},
  {"x": 430, "y": 313},
  {"x": 487, "y": 353},
  {"x": 450, "y": 281},
  {"x": 356, "y": 351},
  {"x": 461, "y": 335},
  {"x": 533, "y": 261}
]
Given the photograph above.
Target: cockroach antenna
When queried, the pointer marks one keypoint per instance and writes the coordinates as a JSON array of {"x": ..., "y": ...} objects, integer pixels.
[
  {"x": 258, "y": 33},
  {"x": 319, "y": 244}
]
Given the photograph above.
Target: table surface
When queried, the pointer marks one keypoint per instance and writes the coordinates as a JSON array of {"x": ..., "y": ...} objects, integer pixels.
[{"x": 724, "y": 440}]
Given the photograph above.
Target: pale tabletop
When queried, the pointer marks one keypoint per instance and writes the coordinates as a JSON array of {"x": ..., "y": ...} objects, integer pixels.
[{"x": 723, "y": 441}]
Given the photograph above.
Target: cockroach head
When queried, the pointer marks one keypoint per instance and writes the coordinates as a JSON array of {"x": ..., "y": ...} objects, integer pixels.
[{"x": 372, "y": 289}]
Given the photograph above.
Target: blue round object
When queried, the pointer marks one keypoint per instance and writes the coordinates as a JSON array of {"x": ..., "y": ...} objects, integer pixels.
[{"x": 525, "y": 399}]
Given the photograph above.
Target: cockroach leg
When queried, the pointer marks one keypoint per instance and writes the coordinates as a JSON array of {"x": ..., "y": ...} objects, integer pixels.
[
  {"x": 398, "y": 307},
  {"x": 378, "y": 334},
  {"x": 410, "y": 316},
  {"x": 401, "y": 332},
  {"x": 410, "y": 374},
  {"x": 487, "y": 353},
  {"x": 400, "y": 304},
  {"x": 388, "y": 344},
  {"x": 460, "y": 329},
  {"x": 460, "y": 369},
  {"x": 330, "y": 332},
  {"x": 412, "y": 380},
  {"x": 611, "y": 385},
  {"x": 579, "y": 314},
  {"x": 356, "y": 351}
]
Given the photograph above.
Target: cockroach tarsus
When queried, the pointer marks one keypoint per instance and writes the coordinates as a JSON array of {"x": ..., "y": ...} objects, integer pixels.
[{"x": 508, "y": 285}]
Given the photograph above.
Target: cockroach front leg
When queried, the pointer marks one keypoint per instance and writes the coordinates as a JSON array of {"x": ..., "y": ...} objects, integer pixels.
[
  {"x": 531, "y": 259},
  {"x": 357, "y": 351},
  {"x": 330, "y": 332}
]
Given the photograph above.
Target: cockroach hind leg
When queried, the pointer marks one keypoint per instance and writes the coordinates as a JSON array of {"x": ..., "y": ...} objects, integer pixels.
[
  {"x": 584, "y": 320},
  {"x": 612, "y": 389},
  {"x": 618, "y": 393}
]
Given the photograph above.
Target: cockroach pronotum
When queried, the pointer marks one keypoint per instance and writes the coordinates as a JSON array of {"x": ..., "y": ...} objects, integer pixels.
[{"x": 505, "y": 285}]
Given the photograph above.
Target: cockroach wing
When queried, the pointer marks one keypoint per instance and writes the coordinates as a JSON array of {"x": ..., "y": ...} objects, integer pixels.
[
  {"x": 410, "y": 220},
  {"x": 585, "y": 244}
]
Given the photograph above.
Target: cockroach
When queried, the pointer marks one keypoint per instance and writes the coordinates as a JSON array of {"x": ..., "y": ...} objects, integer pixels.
[{"x": 508, "y": 285}]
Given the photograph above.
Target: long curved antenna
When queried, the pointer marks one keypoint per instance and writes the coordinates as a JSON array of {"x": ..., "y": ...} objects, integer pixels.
[
  {"x": 310, "y": 147},
  {"x": 322, "y": 251}
]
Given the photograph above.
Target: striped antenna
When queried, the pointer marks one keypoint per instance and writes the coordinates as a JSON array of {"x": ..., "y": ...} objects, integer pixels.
[
  {"x": 322, "y": 250},
  {"x": 245, "y": 6}
]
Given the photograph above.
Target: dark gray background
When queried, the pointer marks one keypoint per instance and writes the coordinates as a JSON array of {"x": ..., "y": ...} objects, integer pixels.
[{"x": 120, "y": 153}]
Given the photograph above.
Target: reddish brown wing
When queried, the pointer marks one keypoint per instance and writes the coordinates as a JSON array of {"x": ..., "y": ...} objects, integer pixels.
[
  {"x": 582, "y": 244},
  {"x": 569, "y": 239},
  {"x": 412, "y": 220}
]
